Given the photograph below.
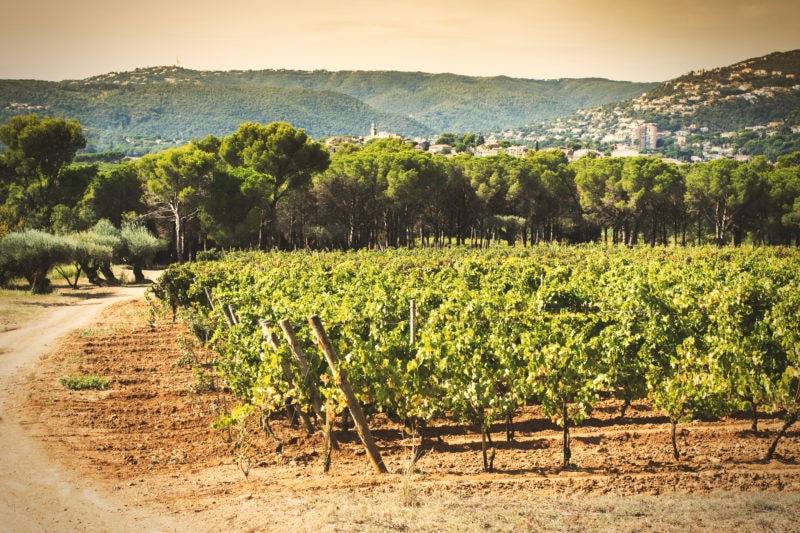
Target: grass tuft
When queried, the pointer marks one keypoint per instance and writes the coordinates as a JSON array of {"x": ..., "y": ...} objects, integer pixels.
[{"x": 86, "y": 381}]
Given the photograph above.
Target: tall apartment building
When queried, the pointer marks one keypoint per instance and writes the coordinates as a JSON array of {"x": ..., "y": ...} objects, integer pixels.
[{"x": 648, "y": 136}]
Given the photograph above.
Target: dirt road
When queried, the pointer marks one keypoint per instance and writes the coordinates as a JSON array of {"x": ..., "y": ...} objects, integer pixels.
[{"x": 36, "y": 493}]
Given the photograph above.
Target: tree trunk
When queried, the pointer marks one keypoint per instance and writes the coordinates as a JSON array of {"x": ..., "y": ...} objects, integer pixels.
[
  {"x": 111, "y": 279},
  {"x": 699, "y": 232},
  {"x": 178, "y": 237},
  {"x": 684, "y": 230},
  {"x": 720, "y": 225},
  {"x": 273, "y": 224},
  {"x": 39, "y": 282},
  {"x": 565, "y": 440},
  {"x": 138, "y": 275},
  {"x": 654, "y": 232},
  {"x": 675, "y": 453},
  {"x": 790, "y": 419},
  {"x": 92, "y": 275}
]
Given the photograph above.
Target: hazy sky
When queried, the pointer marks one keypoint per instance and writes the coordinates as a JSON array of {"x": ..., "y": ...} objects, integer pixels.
[{"x": 621, "y": 40}]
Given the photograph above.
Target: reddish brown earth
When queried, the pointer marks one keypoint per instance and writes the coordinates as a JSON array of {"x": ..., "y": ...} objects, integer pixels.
[{"x": 146, "y": 446}]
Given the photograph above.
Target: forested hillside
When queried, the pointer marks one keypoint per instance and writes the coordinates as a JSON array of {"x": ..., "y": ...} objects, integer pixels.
[
  {"x": 174, "y": 111},
  {"x": 443, "y": 102},
  {"x": 122, "y": 110}
]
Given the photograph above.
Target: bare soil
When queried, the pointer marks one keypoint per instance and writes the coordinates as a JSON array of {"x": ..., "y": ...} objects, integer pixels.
[{"x": 144, "y": 452}]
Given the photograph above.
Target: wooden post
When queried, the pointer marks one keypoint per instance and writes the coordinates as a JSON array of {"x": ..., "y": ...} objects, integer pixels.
[
  {"x": 340, "y": 378},
  {"x": 227, "y": 311},
  {"x": 412, "y": 322},
  {"x": 227, "y": 316},
  {"x": 208, "y": 297},
  {"x": 272, "y": 339},
  {"x": 302, "y": 364},
  {"x": 291, "y": 409},
  {"x": 234, "y": 316}
]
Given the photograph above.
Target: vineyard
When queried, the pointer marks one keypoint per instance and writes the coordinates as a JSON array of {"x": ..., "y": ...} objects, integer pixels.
[{"x": 475, "y": 336}]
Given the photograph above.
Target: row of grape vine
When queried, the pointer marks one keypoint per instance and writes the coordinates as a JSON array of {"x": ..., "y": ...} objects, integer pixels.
[{"x": 697, "y": 332}]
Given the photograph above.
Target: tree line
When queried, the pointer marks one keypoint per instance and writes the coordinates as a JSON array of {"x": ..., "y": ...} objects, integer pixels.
[{"x": 273, "y": 187}]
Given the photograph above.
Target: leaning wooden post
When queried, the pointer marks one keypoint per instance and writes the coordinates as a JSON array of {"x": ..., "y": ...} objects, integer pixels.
[
  {"x": 227, "y": 312},
  {"x": 227, "y": 316},
  {"x": 302, "y": 364},
  {"x": 340, "y": 378},
  {"x": 234, "y": 316},
  {"x": 291, "y": 409},
  {"x": 208, "y": 297}
]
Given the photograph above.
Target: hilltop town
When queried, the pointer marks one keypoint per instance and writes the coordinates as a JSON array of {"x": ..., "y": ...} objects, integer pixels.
[{"x": 700, "y": 116}]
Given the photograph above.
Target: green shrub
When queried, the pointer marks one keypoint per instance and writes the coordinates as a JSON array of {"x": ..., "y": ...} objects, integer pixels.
[{"x": 86, "y": 381}]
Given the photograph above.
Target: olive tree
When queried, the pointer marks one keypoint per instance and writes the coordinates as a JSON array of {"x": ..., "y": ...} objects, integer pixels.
[
  {"x": 140, "y": 247},
  {"x": 31, "y": 254}
]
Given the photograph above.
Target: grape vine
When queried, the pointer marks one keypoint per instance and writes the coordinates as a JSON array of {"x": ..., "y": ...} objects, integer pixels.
[{"x": 697, "y": 332}]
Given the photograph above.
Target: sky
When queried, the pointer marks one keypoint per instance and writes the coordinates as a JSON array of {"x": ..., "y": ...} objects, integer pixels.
[{"x": 536, "y": 39}]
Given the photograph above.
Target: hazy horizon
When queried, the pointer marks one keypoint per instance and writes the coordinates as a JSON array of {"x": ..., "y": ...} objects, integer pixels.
[{"x": 625, "y": 41}]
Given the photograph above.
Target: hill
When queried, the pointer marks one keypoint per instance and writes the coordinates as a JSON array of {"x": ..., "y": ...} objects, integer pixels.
[
  {"x": 756, "y": 99},
  {"x": 750, "y": 93},
  {"x": 121, "y": 110}
]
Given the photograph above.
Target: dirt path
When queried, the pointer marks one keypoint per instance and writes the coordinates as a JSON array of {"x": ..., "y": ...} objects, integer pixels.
[{"x": 37, "y": 493}]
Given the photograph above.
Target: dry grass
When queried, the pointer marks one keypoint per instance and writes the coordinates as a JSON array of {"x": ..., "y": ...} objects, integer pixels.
[
  {"x": 18, "y": 306},
  {"x": 346, "y": 512}
]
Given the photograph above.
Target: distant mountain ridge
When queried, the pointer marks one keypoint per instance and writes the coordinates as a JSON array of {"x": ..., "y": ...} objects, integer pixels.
[
  {"x": 174, "y": 103},
  {"x": 148, "y": 108}
]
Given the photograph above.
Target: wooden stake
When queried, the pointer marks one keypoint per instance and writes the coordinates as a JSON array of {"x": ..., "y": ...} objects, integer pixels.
[
  {"x": 327, "y": 433},
  {"x": 234, "y": 316},
  {"x": 340, "y": 378},
  {"x": 272, "y": 339},
  {"x": 302, "y": 364},
  {"x": 413, "y": 323},
  {"x": 208, "y": 297},
  {"x": 291, "y": 409}
]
